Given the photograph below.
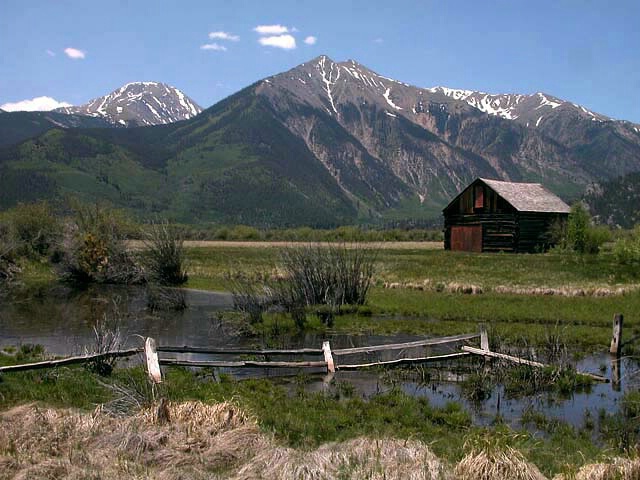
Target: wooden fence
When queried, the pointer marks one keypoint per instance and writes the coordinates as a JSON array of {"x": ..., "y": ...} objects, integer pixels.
[{"x": 331, "y": 360}]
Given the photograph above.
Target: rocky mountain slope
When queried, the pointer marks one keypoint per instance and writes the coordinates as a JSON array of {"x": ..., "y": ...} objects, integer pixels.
[
  {"x": 436, "y": 139},
  {"x": 325, "y": 143},
  {"x": 616, "y": 202},
  {"x": 139, "y": 104}
]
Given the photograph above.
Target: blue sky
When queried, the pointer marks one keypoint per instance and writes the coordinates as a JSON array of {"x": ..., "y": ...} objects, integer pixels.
[{"x": 584, "y": 51}]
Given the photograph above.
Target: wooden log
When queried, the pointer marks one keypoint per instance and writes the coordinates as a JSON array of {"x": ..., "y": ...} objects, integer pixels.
[
  {"x": 240, "y": 363},
  {"x": 616, "y": 339},
  {"x": 404, "y": 361},
  {"x": 397, "y": 346},
  {"x": 523, "y": 361},
  {"x": 69, "y": 360},
  {"x": 328, "y": 358},
  {"x": 240, "y": 351},
  {"x": 153, "y": 366}
]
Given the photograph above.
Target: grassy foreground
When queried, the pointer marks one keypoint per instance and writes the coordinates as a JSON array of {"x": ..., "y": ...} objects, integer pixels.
[{"x": 300, "y": 420}]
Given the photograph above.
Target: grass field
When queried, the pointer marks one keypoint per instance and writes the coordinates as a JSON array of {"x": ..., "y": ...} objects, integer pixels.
[{"x": 582, "y": 320}]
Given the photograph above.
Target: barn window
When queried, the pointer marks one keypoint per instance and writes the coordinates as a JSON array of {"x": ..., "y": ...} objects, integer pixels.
[{"x": 479, "y": 197}]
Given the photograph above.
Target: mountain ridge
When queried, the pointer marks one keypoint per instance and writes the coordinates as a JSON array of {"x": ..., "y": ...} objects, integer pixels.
[{"x": 326, "y": 143}]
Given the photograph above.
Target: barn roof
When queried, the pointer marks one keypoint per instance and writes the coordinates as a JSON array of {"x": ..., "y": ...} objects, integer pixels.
[{"x": 528, "y": 197}]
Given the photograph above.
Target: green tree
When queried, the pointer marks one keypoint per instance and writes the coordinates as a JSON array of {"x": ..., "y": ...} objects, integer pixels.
[
  {"x": 577, "y": 226},
  {"x": 581, "y": 235}
]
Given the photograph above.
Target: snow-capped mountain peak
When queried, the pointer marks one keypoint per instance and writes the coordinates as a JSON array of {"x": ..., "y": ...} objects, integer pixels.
[
  {"x": 140, "y": 103},
  {"x": 528, "y": 109}
]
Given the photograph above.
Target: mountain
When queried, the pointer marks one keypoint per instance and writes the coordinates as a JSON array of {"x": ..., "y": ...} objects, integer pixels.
[
  {"x": 139, "y": 103},
  {"x": 436, "y": 140},
  {"x": 323, "y": 144},
  {"x": 18, "y": 126}
]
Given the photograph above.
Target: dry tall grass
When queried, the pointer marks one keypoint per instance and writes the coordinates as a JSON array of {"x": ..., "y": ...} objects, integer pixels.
[
  {"x": 221, "y": 441},
  {"x": 199, "y": 439},
  {"x": 496, "y": 464},
  {"x": 360, "y": 458},
  {"x": 616, "y": 469},
  {"x": 198, "y": 442}
]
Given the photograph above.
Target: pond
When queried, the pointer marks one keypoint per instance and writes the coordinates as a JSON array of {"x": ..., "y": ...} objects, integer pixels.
[{"x": 63, "y": 319}]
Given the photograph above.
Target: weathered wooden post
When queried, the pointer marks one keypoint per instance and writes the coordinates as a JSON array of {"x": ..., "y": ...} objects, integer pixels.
[
  {"x": 616, "y": 340},
  {"x": 328, "y": 358},
  {"x": 153, "y": 366},
  {"x": 484, "y": 338}
]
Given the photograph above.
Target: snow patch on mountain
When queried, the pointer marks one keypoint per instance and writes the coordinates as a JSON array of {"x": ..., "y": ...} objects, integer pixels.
[
  {"x": 140, "y": 103},
  {"x": 389, "y": 101},
  {"x": 327, "y": 78}
]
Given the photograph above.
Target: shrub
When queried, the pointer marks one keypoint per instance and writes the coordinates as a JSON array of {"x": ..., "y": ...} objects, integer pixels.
[
  {"x": 94, "y": 248},
  {"x": 165, "y": 257},
  {"x": 35, "y": 227},
  {"x": 581, "y": 236},
  {"x": 627, "y": 250},
  {"x": 8, "y": 246}
]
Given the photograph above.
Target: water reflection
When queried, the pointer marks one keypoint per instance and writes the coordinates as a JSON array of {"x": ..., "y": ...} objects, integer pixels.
[{"x": 63, "y": 321}]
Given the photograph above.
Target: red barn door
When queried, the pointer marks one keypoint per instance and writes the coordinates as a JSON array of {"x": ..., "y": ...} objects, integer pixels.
[{"x": 466, "y": 238}]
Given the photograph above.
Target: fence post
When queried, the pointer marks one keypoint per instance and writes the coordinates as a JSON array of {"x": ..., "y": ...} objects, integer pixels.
[
  {"x": 153, "y": 366},
  {"x": 328, "y": 358},
  {"x": 484, "y": 338},
  {"x": 616, "y": 340}
]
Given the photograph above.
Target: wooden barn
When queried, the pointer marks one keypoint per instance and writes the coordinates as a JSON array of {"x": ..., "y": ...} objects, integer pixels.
[{"x": 494, "y": 216}]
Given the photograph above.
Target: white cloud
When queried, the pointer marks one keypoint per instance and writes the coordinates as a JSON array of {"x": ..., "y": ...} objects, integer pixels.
[
  {"x": 311, "y": 40},
  {"x": 51, "y": 53},
  {"x": 224, "y": 36},
  {"x": 37, "y": 104},
  {"x": 213, "y": 46},
  {"x": 74, "y": 53},
  {"x": 271, "y": 29},
  {"x": 286, "y": 42},
  {"x": 378, "y": 40}
]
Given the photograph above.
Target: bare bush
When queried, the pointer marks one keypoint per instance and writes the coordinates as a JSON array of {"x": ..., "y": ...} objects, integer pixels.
[
  {"x": 165, "y": 257},
  {"x": 329, "y": 274},
  {"x": 108, "y": 338}
]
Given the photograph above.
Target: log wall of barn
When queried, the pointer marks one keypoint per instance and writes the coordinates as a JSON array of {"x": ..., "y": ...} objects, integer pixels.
[
  {"x": 507, "y": 232},
  {"x": 534, "y": 230},
  {"x": 499, "y": 230}
]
